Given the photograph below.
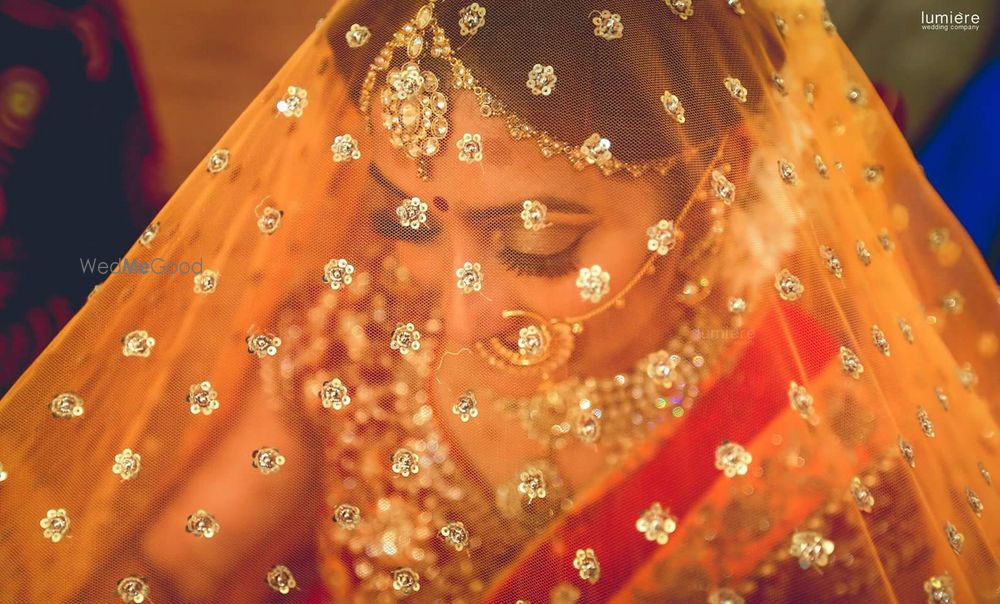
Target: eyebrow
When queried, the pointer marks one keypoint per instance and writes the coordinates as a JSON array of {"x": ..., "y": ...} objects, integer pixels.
[{"x": 553, "y": 204}]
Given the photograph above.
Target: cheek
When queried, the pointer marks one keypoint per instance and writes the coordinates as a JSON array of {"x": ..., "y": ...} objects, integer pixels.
[{"x": 425, "y": 262}]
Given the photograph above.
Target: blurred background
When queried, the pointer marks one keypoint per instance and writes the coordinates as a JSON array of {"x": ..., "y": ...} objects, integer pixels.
[{"x": 106, "y": 106}]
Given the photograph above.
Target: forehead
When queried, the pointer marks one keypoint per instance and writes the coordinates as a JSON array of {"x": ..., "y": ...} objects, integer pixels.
[{"x": 509, "y": 172}]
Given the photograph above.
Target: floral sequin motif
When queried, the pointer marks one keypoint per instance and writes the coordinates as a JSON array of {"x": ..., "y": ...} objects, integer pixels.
[
  {"x": 405, "y": 462},
  {"x": 541, "y": 80},
  {"x": 906, "y": 450},
  {"x": 811, "y": 549},
  {"x": 267, "y": 460},
  {"x": 880, "y": 341},
  {"x": 333, "y": 395},
  {"x": 217, "y": 161},
  {"x": 66, "y": 406},
  {"x": 534, "y": 215},
  {"x": 405, "y": 338},
  {"x": 974, "y": 501},
  {"x": 736, "y": 88},
  {"x": 672, "y": 105},
  {"x": 133, "y": 590},
  {"x": 832, "y": 261},
  {"x": 802, "y": 402},
  {"x": 786, "y": 170},
  {"x": 732, "y": 459},
  {"x": 661, "y": 237},
  {"x": 955, "y": 539},
  {"x": 202, "y": 398},
  {"x": 596, "y": 150},
  {"x": 206, "y": 282},
  {"x": 471, "y": 18},
  {"x": 293, "y": 103},
  {"x": 412, "y": 213},
  {"x": 789, "y": 286},
  {"x": 55, "y": 524},
  {"x": 656, "y": 524},
  {"x": 681, "y": 8},
  {"x": 345, "y": 148},
  {"x": 531, "y": 341},
  {"x": 127, "y": 464},
  {"x": 405, "y": 581},
  {"x": 470, "y": 148},
  {"x": 263, "y": 344},
  {"x": 149, "y": 234},
  {"x": 414, "y": 110},
  {"x": 466, "y": 406},
  {"x": 347, "y": 516},
  {"x": 940, "y": 589},
  {"x": 608, "y": 25},
  {"x": 723, "y": 188},
  {"x": 358, "y": 35},
  {"x": 724, "y": 595},
  {"x": 926, "y": 425},
  {"x": 338, "y": 273},
  {"x": 862, "y": 251},
  {"x": 280, "y": 579},
  {"x": 531, "y": 484},
  {"x": 455, "y": 535},
  {"x": 202, "y": 524},
  {"x": 661, "y": 367},
  {"x": 594, "y": 283},
  {"x": 269, "y": 220},
  {"x": 587, "y": 565},
  {"x": 850, "y": 363},
  {"x": 137, "y": 343},
  {"x": 862, "y": 495},
  {"x": 953, "y": 302}
]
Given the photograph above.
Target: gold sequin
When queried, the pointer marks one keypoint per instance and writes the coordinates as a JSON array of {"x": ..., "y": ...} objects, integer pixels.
[
  {"x": 878, "y": 338},
  {"x": 127, "y": 464},
  {"x": 263, "y": 344},
  {"x": 732, "y": 459},
  {"x": 405, "y": 462},
  {"x": 455, "y": 535},
  {"x": 737, "y": 305},
  {"x": 534, "y": 215},
  {"x": 594, "y": 283},
  {"x": 293, "y": 103},
  {"x": 541, "y": 80},
  {"x": 412, "y": 213},
  {"x": 905, "y": 329},
  {"x": 811, "y": 549},
  {"x": 724, "y": 595},
  {"x": 862, "y": 495},
  {"x": 471, "y": 19},
  {"x": 607, "y": 25},
  {"x": 672, "y": 105},
  {"x": 885, "y": 240},
  {"x": 955, "y": 539},
  {"x": 269, "y": 220},
  {"x": 149, "y": 234},
  {"x": 789, "y": 286},
  {"x": 974, "y": 501},
  {"x": 133, "y": 590},
  {"x": 661, "y": 237},
  {"x": 267, "y": 460},
  {"x": 779, "y": 83},
  {"x": 3, "y": 473},
  {"x": 280, "y": 579},
  {"x": 832, "y": 261},
  {"x": 531, "y": 484},
  {"x": 338, "y": 273},
  {"x": 681, "y": 8},
  {"x": 821, "y": 166},
  {"x": 723, "y": 188},
  {"x": 985, "y": 474},
  {"x": 347, "y": 516},
  {"x": 55, "y": 524},
  {"x": 587, "y": 565},
  {"x": 205, "y": 282},
  {"x": 802, "y": 402},
  {"x": 470, "y": 148},
  {"x": 137, "y": 343},
  {"x": 202, "y": 524},
  {"x": 967, "y": 377},
  {"x": 787, "y": 172},
  {"x": 656, "y": 524},
  {"x": 828, "y": 22},
  {"x": 809, "y": 88},
  {"x": 218, "y": 161},
  {"x": 953, "y": 302},
  {"x": 926, "y": 425},
  {"x": 942, "y": 398},
  {"x": 862, "y": 251},
  {"x": 405, "y": 338},
  {"x": 781, "y": 25},
  {"x": 405, "y": 581},
  {"x": 66, "y": 406},
  {"x": 596, "y": 150},
  {"x": 345, "y": 148},
  {"x": 873, "y": 174},
  {"x": 937, "y": 238},
  {"x": 940, "y": 589},
  {"x": 736, "y": 88},
  {"x": 465, "y": 408},
  {"x": 202, "y": 398},
  {"x": 906, "y": 450},
  {"x": 850, "y": 363},
  {"x": 333, "y": 394},
  {"x": 856, "y": 96},
  {"x": 358, "y": 35}
]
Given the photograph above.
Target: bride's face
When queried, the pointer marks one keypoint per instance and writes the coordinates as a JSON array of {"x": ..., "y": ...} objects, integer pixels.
[{"x": 474, "y": 215}]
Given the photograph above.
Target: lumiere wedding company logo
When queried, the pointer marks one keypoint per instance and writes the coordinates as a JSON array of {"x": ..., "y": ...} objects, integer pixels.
[
  {"x": 949, "y": 21},
  {"x": 156, "y": 266}
]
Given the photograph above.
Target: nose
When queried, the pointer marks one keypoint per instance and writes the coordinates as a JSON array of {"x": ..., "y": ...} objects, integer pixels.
[{"x": 471, "y": 316}]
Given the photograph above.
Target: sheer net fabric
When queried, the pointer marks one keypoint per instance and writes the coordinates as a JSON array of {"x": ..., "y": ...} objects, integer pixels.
[{"x": 524, "y": 301}]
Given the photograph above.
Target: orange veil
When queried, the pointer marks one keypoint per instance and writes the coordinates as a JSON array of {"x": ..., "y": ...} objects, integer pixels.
[{"x": 528, "y": 301}]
